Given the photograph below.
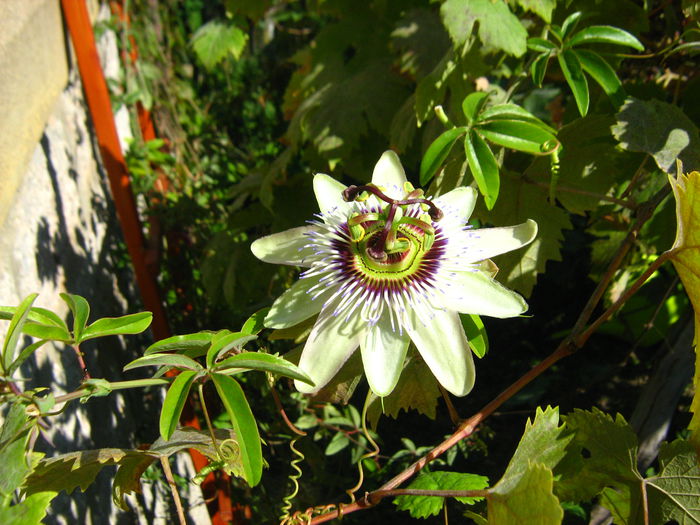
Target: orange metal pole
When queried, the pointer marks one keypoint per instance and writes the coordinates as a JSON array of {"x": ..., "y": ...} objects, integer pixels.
[
  {"x": 97, "y": 96},
  {"x": 99, "y": 104}
]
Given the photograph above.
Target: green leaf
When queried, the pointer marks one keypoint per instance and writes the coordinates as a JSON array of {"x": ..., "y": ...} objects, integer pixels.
[
  {"x": 224, "y": 342},
  {"x": 197, "y": 342},
  {"x": 483, "y": 166},
  {"x": 28, "y": 511},
  {"x": 124, "y": 325},
  {"x": 174, "y": 360},
  {"x": 570, "y": 23},
  {"x": 431, "y": 89},
  {"x": 337, "y": 443},
  {"x": 476, "y": 334},
  {"x": 437, "y": 153},
  {"x": 604, "y": 452},
  {"x": 498, "y": 27},
  {"x": 606, "y": 35},
  {"x": 542, "y": 8},
  {"x": 513, "y": 112},
  {"x": 174, "y": 402},
  {"x": 36, "y": 315},
  {"x": 540, "y": 45},
  {"x": 597, "y": 67},
  {"x": 660, "y": 129},
  {"x": 538, "y": 68},
  {"x": 244, "y": 424},
  {"x": 215, "y": 40},
  {"x": 80, "y": 310},
  {"x": 675, "y": 492},
  {"x": 472, "y": 104},
  {"x": 75, "y": 469},
  {"x": 13, "y": 455},
  {"x": 24, "y": 354},
  {"x": 426, "y": 506},
  {"x": 529, "y": 500},
  {"x": 263, "y": 362},
  {"x": 686, "y": 260},
  {"x": 255, "y": 323},
  {"x": 543, "y": 441},
  {"x": 520, "y": 135},
  {"x": 573, "y": 73},
  {"x": 15, "y": 330}
]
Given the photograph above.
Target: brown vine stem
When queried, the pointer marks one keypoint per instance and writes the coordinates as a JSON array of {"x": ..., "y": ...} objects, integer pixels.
[
  {"x": 173, "y": 489},
  {"x": 566, "y": 348}
]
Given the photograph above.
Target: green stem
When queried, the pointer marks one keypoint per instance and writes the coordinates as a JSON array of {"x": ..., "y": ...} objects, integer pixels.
[
  {"x": 116, "y": 385},
  {"x": 208, "y": 420}
]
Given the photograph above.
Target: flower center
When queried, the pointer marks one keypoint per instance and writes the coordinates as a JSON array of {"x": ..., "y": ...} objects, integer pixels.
[{"x": 394, "y": 238}]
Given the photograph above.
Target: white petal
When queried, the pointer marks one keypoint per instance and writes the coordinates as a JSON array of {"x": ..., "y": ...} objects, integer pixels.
[
  {"x": 389, "y": 174},
  {"x": 330, "y": 344},
  {"x": 287, "y": 247},
  {"x": 458, "y": 203},
  {"x": 476, "y": 293},
  {"x": 487, "y": 242},
  {"x": 294, "y": 305},
  {"x": 383, "y": 353},
  {"x": 444, "y": 348},
  {"x": 329, "y": 193}
]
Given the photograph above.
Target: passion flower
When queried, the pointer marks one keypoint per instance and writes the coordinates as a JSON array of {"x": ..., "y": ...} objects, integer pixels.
[{"x": 387, "y": 266}]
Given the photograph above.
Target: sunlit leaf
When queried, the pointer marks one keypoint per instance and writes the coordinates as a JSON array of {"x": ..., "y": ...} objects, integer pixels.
[
  {"x": 255, "y": 323},
  {"x": 573, "y": 73},
  {"x": 476, "y": 334},
  {"x": 29, "y": 511},
  {"x": 80, "y": 310},
  {"x": 483, "y": 166},
  {"x": 513, "y": 112},
  {"x": 263, "y": 362},
  {"x": 19, "y": 318},
  {"x": 570, "y": 23},
  {"x": 606, "y": 35},
  {"x": 686, "y": 259},
  {"x": 520, "y": 135},
  {"x": 472, "y": 104},
  {"x": 199, "y": 341},
  {"x": 174, "y": 402},
  {"x": 543, "y": 8},
  {"x": 174, "y": 360},
  {"x": 540, "y": 45},
  {"x": 215, "y": 40},
  {"x": 244, "y": 425},
  {"x": 426, "y": 506},
  {"x": 124, "y": 325},
  {"x": 437, "y": 152},
  {"x": 224, "y": 342},
  {"x": 529, "y": 500},
  {"x": 596, "y": 66}
]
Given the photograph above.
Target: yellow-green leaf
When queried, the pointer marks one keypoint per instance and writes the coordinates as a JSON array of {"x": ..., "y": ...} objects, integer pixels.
[{"x": 685, "y": 255}]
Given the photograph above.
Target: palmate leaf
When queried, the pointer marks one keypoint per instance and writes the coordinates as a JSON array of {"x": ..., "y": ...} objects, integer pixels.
[
  {"x": 686, "y": 259},
  {"x": 426, "y": 506}
]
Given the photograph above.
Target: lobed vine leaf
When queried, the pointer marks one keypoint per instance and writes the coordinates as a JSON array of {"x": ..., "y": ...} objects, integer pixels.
[
  {"x": 215, "y": 40},
  {"x": 426, "y": 506}
]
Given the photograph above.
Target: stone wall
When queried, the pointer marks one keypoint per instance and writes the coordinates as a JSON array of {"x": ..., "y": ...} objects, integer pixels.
[{"x": 58, "y": 233}]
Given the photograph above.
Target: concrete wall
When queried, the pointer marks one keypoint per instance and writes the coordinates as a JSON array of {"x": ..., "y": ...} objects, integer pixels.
[{"x": 58, "y": 233}]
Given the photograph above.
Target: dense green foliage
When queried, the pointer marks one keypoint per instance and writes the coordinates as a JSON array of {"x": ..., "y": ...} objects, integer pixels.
[{"x": 579, "y": 115}]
